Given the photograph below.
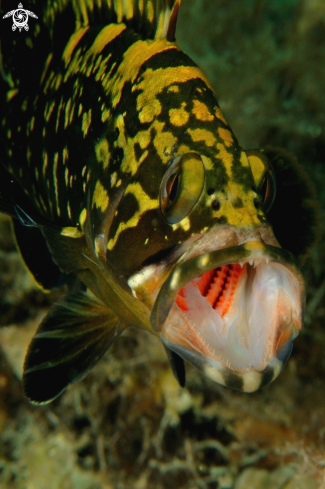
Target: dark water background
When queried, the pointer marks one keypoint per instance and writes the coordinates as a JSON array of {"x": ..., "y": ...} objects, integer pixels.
[{"x": 128, "y": 425}]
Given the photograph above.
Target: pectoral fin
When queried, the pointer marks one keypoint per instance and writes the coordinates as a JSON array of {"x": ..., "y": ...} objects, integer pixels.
[
  {"x": 177, "y": 365},
  {"x": 71, "y": 339},
  {"x": 37, "y": 257}
]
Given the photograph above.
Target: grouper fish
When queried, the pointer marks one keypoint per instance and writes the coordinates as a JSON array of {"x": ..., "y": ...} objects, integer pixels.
[{"x": 127, "y": 186}]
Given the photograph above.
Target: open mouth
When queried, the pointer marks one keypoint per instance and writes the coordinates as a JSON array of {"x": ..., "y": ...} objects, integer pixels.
[{"x": 234, "y": 310}]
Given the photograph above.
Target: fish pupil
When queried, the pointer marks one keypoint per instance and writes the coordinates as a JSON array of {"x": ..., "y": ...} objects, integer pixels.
[{"x": 172, "y": 186}]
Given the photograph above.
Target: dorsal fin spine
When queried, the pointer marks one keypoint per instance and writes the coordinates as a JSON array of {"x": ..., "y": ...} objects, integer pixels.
[{"x": 155, "y": 19}]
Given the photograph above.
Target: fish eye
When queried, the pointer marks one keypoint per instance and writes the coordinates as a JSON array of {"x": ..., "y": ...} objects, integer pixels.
[
  {"x": 264, "y": 178},
  {"x": 181, "y": 187},
  {"x": 267, "y": 191},
  {"x": 171, "y": 188}
]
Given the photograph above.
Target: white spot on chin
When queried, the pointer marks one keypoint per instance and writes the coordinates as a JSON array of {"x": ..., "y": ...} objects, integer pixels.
[
  {"x": 252, "y": 381},
  {"x": 214, "y": 373}
]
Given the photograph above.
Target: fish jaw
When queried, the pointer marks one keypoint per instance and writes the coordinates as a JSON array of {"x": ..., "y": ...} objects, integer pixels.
[{"x": 233, "y": 312}]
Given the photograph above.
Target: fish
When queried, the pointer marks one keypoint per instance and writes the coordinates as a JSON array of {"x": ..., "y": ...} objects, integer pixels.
[{"x": 128, "y": 188}]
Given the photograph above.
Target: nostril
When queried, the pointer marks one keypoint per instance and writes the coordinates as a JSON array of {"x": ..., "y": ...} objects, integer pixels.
[
  {"x": 210, "y": 191},
  {"x": 215, "y": 205}
]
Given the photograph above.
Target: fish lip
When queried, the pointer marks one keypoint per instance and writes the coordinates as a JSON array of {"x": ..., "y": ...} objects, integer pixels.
[{"x": 188, "y": 269}]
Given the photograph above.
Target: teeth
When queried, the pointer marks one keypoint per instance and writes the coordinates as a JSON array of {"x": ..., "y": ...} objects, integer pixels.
[{"x": 254, "y": 262}]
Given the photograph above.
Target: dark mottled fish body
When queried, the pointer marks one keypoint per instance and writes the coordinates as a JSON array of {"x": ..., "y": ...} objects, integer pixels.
[
  {"x": 114, "y": 149},
  {"x": 99, "y": 92}
]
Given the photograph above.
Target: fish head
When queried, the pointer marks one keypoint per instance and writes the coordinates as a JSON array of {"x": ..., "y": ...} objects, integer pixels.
[
  {"x": 222, "y": 292},
  {"x": 181, "y": 173},
  {"x": 232, "y": 300}
]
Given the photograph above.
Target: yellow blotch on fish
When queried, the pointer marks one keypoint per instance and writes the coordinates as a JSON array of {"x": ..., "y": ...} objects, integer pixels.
[
  {"x": 202, "y": 135},
  {"x": 226, "y": 157},
  {"x": 201, "y": 111},
  {"x": 184, "y": 224},
  {"x": 173, "y": 89},
  {"x": 83, "y": 217},
  {"x": 105, "y": 114},
  {"x": 67, "y": 113},
  {"x": 243, "y": 159},
  {"x": 65, "y": 155},
  {"x": 102, "y": 152},
  {"x": 219, "y": 115},
  {"x": 137, "y": 54},
  {"x": 11, "y": 94},
  {"x": 246, "y": 214},
  {"x": 73, "y": 43},
  {"x": 179, "y": 117},
  {"x": 226, "y": 136},
  {"x": 164, "y": 77},
  {"x": 145, "y": 204},
  {"x": 113, "y": 179},
  {"x": 86, "y": 121},
  {"x": 150, "y": 111},
  {"x": 106, "y": 35},
  {"x": 164, "y": 141},
  {"x": 100, "y": 197}
]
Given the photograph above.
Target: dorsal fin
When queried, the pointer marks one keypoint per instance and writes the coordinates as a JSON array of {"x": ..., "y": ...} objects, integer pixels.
[
  {"x": 158, "y": 17},
  {"x": 58, "y": 19},
  {"x": 153, "y": 19}
]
